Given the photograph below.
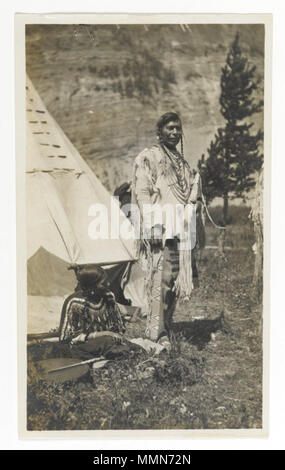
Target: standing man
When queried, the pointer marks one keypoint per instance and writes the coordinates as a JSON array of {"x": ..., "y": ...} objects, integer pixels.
[{"x": 163, "y": 178}]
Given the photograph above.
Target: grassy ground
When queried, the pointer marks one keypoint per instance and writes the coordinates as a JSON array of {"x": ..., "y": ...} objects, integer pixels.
[{"x": 210, "y": 379}]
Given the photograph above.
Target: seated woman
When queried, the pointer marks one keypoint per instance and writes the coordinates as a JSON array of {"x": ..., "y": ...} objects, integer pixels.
[{"x": 92, "y": 307}]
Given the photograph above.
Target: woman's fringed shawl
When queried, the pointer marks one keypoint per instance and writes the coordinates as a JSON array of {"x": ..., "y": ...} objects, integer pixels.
[{"x": 149, "y": 165}]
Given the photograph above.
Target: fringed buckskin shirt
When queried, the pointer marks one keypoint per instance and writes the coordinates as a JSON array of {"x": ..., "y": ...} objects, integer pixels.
[{"x": 162, "y": 177}]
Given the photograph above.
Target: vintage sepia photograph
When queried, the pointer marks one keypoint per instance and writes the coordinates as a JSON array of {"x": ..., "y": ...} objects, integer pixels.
[{"x": 141, "y": 241}]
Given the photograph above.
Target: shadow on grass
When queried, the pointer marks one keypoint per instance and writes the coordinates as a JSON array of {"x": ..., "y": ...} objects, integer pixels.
[{"x": 198, "y": 332}]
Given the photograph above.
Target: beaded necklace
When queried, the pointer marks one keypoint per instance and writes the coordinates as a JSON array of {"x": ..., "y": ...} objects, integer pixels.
[{"x": 178, "y": 183}]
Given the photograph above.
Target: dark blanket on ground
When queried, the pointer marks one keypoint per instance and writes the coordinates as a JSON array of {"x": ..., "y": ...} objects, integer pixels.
[{"x": 107, "y": 346}]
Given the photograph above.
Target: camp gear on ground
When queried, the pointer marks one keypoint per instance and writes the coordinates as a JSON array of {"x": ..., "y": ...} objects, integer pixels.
[
  {"x": 66, "y": 368},
  {"x": 148, "y": 345},
  {"x": 76, "y": 364},
  {"x": 62, "y": 375},
  {"x": 164, "y": 342},
  {"x": 99, "y": 364}
]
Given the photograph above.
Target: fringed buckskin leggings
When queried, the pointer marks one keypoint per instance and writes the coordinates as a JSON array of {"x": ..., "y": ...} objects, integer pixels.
[{"x": 164, "y": 272}]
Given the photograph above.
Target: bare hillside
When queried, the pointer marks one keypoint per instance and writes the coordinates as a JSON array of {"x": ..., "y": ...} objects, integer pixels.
[{"x": 107, "y": 85}]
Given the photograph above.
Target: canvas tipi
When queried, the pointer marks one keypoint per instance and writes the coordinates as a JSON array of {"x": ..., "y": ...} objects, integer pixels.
[{"x": 60, "y": 188}]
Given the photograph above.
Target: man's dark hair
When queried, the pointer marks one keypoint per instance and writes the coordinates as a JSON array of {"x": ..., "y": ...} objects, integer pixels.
[{"x": 164, "y": 119}]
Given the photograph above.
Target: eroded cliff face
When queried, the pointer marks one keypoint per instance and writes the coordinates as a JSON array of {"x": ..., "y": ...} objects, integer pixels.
[{"x": 107, "y": 85}]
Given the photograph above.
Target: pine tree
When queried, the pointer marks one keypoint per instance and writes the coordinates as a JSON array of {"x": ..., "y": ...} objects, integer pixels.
[{"x": 234, "y": 154}]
